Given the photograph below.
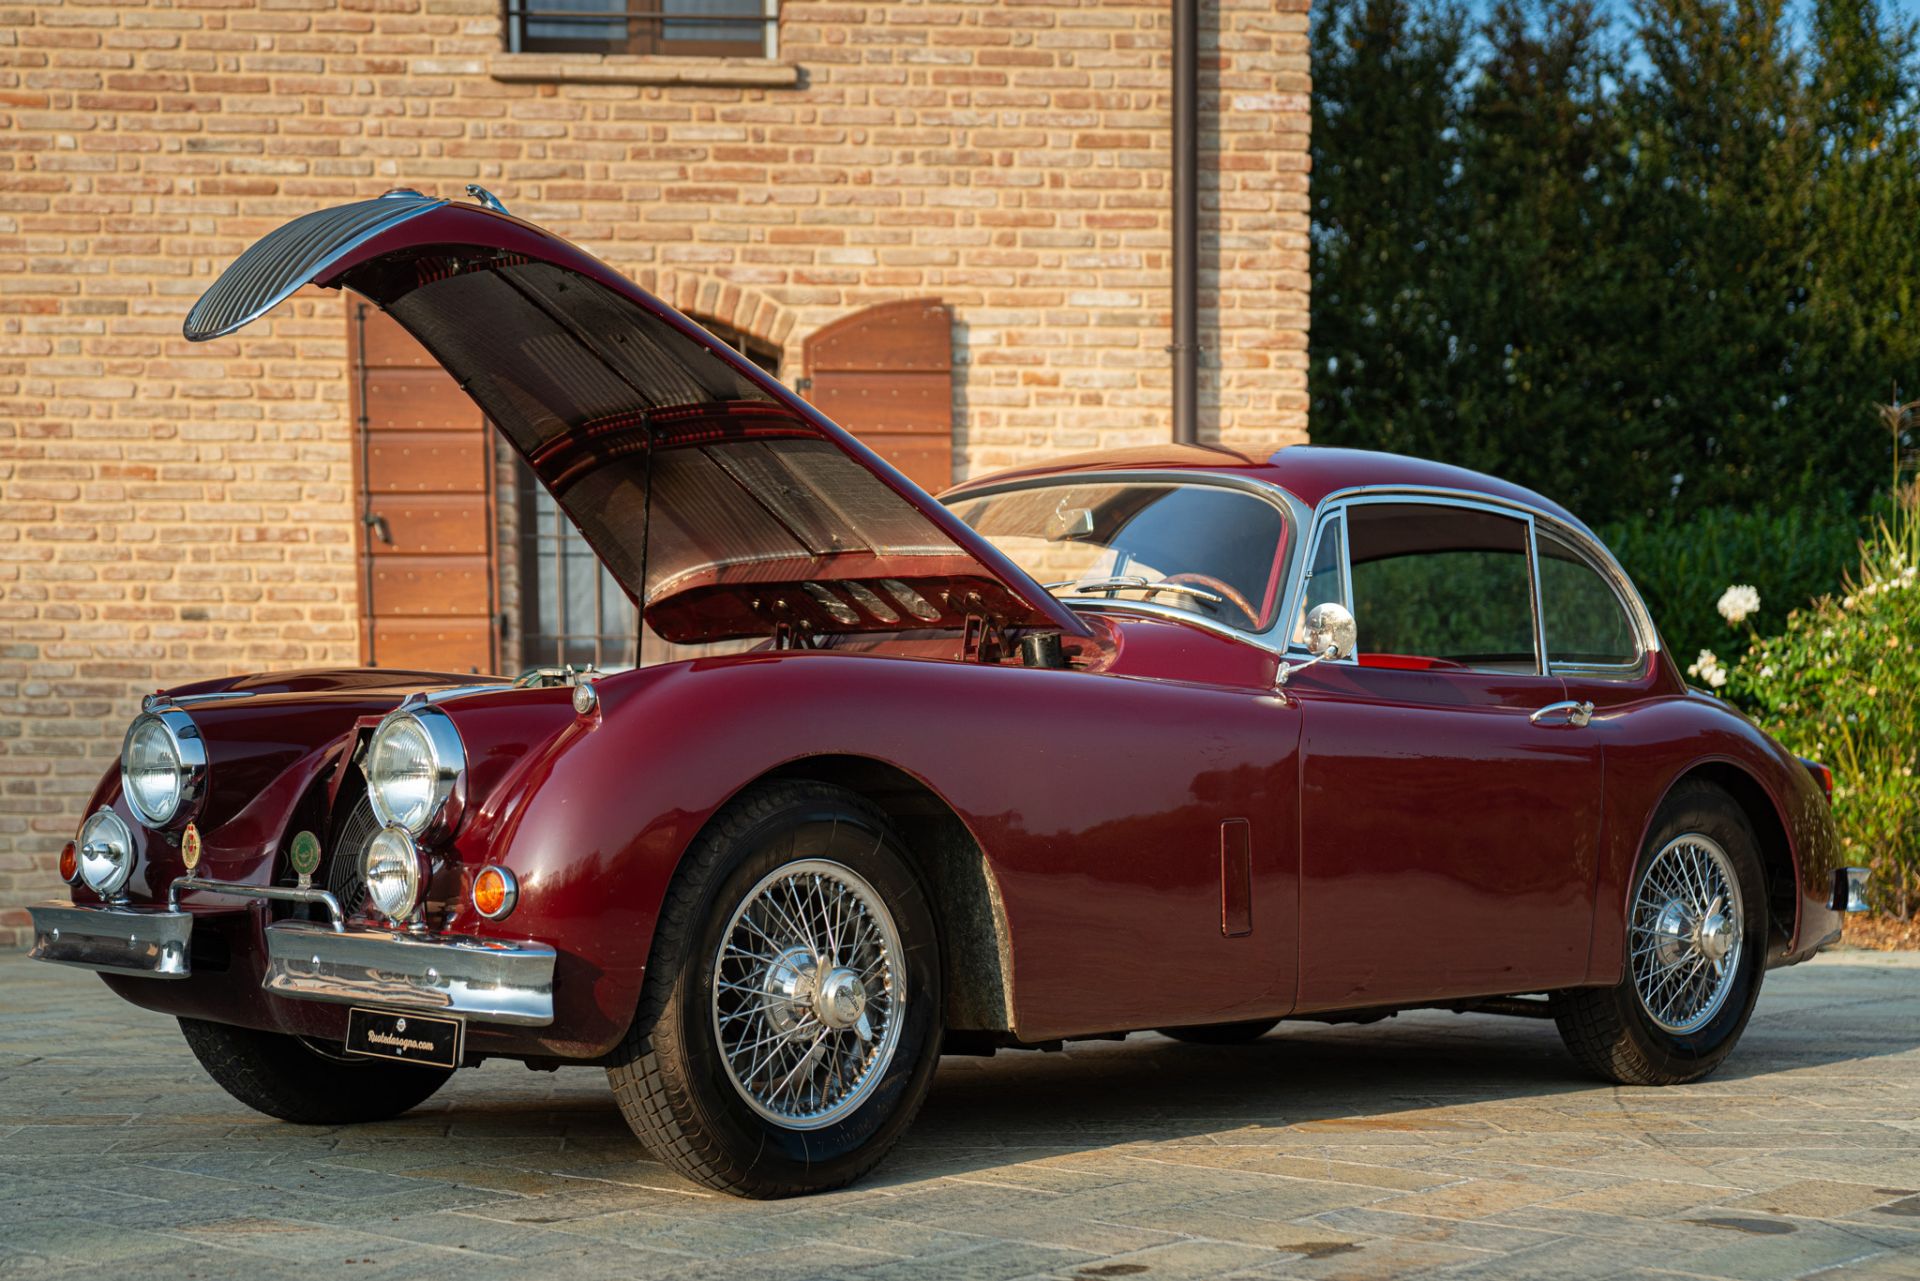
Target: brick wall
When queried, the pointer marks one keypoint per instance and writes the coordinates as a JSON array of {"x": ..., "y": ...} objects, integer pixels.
[{"x": 171, "y": 511}]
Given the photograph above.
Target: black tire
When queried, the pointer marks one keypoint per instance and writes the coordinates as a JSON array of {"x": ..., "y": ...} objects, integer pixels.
[
  {"x": 669, "y": 1074},
  {"x": 285, "y": 1078},
  {"x": 1222, "y": 1033},
  {"x": 1608, "y": 1030}
]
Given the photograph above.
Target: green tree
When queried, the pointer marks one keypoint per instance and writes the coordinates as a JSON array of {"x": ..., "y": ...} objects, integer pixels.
[
  {"x": 1386, "y": 222},
  {"x": 1658, "y": 270}
]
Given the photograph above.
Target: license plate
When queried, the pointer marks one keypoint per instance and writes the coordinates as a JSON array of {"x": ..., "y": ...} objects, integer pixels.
[{"x": 404, "y": 1038}]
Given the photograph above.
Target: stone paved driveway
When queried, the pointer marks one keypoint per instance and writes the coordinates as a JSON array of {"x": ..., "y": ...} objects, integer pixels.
[{"x": 1432, "y": 1143}]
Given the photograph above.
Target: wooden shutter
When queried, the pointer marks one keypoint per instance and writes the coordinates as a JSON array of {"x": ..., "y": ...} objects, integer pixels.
[
  {"x": 886, "y": 375},
  {"x": 423, "y": 475}
]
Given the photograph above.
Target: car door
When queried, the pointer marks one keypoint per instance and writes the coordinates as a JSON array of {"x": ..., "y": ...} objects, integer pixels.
[{"x": 1450, "y": 795}]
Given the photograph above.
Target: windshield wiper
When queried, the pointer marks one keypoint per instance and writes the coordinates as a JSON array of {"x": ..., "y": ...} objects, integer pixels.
[{"x": 1134, "y": 583}]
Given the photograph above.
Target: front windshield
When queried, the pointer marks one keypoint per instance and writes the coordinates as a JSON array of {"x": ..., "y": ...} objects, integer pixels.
[{"x": 1203, "y": 549}]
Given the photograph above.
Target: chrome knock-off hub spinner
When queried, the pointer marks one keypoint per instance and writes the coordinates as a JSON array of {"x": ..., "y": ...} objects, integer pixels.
[{"x": 841, "y": 1000}]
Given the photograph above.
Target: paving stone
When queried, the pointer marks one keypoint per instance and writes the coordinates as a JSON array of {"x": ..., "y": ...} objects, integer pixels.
[{"x": 1430, "y": 1144}]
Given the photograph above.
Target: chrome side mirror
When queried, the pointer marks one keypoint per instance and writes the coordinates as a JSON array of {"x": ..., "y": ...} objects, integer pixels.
[{"x": 1330, "y": 633}]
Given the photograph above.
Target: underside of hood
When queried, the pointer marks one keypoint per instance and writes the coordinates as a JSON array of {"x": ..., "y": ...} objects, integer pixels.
[{"x": 721, "y": 502}]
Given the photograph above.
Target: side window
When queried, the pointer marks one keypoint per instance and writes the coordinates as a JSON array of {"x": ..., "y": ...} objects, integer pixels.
[
  {"x": 1586, "y": 623},
  {"x": 1324, "y": 580},
  {"x": 1447, "y": 584}
]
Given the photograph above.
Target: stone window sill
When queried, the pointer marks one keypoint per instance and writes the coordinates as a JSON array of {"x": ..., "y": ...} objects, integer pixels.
[{"x": 630, "y": 69}]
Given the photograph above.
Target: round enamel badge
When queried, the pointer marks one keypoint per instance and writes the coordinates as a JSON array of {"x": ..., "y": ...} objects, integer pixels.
[
  {"x": 190, "y": 847},
  {"x": 304, "y": 854}
]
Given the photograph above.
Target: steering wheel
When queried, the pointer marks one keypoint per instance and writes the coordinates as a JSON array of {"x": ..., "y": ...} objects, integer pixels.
[{"x": 1227, "y": 590}]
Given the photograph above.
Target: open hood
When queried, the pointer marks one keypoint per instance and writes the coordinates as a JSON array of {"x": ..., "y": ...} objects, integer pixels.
[{"x": 721, "y": 502}]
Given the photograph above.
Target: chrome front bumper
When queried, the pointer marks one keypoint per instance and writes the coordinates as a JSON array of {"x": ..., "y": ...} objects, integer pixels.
[
  {"x": 487, "y": 980},
  {"x": 142, "y": 941}
]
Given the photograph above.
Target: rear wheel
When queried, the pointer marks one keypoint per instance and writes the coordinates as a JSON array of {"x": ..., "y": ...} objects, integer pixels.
[
  {"x": 286, "y": 1077},
  {"x": 1695, "y": 950},
  {"x": 1222, "y": 1033},
  {"x": 790, "y": 1021}
]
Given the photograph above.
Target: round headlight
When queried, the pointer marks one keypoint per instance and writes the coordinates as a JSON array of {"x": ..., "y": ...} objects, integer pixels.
[
  {"x": 106, "y": 853},
  {"x": 163, "y": 765},
  {"x": 413, "y": 764},
  {"x": 392, "y": 871}
]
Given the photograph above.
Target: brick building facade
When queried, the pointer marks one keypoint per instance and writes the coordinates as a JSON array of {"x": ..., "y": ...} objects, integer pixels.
[{"x": 170, "y": 511}]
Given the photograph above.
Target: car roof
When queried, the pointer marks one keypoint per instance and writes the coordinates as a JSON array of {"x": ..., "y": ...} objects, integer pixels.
[{"x": 1310, "y": 473}]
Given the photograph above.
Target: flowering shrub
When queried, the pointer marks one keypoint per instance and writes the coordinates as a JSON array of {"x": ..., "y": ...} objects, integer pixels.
[{"x": 1842, "y": 684}]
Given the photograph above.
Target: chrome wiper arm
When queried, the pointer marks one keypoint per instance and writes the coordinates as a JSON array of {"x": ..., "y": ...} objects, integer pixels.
[
  {"x": 1098, "y": 584},
  {"x": 1134, "y": 583}
]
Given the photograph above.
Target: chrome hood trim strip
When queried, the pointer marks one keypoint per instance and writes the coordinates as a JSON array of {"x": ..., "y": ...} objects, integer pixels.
[{"x": 278, "y": 264}]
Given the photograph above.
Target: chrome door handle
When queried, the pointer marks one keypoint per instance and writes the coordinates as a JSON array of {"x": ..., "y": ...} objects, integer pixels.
[{"x": 1575, "y": 714}]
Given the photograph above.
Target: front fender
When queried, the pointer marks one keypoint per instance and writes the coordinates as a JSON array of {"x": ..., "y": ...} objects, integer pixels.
[{"x": 1097, "y": 801}]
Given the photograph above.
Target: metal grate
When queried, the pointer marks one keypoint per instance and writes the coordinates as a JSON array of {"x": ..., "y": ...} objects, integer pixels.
[
  {"x": 343, "y": 867},
  {"x": 282, "y": 261}
]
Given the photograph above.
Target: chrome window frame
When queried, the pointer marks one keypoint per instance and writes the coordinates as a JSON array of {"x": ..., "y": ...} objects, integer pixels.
[
  {"x": 1576, "y": 536},
  {"x": 1296, "y": 515},
  {"x": 1585, "y": 546}
]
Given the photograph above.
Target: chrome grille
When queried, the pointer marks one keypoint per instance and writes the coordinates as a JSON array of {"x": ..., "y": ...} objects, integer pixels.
[
  {"x": 343, "y": 868},
  {"x": 282, "y": 261}
]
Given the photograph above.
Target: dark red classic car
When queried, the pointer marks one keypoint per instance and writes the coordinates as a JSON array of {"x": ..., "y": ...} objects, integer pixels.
[{"x": 1164, "y": 738}]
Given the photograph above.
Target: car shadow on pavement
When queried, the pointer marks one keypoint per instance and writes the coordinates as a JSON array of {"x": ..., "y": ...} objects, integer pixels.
[{"x": 1304, "y": 1084}]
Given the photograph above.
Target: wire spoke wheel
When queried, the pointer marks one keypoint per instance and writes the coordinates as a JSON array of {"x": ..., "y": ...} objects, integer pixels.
[
  {"x": 808, "y": 993},
  {"x": 1686, "y": 938}
]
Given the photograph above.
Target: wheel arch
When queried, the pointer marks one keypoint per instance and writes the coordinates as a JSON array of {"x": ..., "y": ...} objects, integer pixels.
[
  {"x": 1769, "y": 829},
  {"x": 965, "y": 895}
]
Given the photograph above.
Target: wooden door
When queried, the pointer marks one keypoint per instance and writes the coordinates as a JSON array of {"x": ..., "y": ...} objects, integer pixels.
[
  {"x": 423, "y": 477},
  {"x": 886, "y": 375}
]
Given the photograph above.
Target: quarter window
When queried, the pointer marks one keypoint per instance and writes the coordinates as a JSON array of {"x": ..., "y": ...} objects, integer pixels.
[
  {"x": 1586, "y": 624},
  {"x": 1324, "y": 581},
  {"x": 1447, "y": 584}
]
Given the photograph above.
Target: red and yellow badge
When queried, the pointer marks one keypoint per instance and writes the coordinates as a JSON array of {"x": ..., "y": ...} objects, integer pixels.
[{"x": 190, "y": 847}]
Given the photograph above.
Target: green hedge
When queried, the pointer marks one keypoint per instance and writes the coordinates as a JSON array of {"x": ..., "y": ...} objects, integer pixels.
[
  {"x": 1841, "y": 683},
  {"x": 1682, "y": 565}
]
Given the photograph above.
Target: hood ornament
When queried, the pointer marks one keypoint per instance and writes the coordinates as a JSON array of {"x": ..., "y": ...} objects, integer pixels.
[{"x": 486, "y": 199}]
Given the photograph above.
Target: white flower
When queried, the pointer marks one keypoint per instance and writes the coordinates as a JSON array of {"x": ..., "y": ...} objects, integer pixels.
[
  {"x": 1707, "y": 668},
  {"x": 1737, "y": 602}
]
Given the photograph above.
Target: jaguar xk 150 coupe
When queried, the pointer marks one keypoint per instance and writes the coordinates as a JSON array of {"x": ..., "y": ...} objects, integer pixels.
[{"x": 1168, "y": 738}]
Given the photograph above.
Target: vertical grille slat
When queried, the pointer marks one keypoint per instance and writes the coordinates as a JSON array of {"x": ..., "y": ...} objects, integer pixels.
[{"x": 281, "y": 261}]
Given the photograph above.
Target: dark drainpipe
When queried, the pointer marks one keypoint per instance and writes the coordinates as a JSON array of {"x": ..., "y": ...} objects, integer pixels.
[{"x": 1186, "y": 218}]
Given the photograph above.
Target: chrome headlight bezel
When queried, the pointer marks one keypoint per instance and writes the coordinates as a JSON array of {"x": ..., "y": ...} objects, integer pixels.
[
  {"x": 447, "y": 761},
  {"x": 105, "y": 853},
  {"x": 393, "y": 849},
  {"x": 189, "y": 750}
]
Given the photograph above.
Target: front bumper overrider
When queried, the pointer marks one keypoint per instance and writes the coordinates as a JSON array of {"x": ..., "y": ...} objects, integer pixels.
[{"x": 486, "y": 980}]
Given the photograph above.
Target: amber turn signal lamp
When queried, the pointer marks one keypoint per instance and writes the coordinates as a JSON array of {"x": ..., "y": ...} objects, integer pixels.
[
  {"x": 69, "y": 863},
  {"x": 494, "y": 892}
]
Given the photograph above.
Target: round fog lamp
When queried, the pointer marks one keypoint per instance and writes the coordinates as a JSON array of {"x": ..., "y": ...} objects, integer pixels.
[
  {"x": 106, "y": 853},
  {"x": 392, "y": 871},
  {"x": 495, "y": 892}
]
